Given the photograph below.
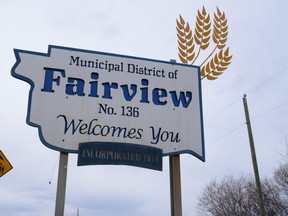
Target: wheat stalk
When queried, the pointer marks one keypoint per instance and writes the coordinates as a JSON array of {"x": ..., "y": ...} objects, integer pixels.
[
  {"x": 185, "y": 41},
  {"x": 220, "y": 32},
  {"x": 217, "y": 65},
  {"x": 202, "y": 31},
  {"x": 186, "y": 45}
]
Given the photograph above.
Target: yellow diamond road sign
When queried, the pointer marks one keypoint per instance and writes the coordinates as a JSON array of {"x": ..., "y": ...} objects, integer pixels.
[{"x": 5, "y": 165}]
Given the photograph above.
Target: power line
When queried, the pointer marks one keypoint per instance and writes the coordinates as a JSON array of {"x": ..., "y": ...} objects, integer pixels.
[
  {"x": 239, "y": 126},
  {"x": 265, "y": 81},
  {"x": 226, "y": 134},
  {"x": 250, "y": 90},
  {"x": 227, "y": 107},
  {"x": 231, "y": 104},
  {"x": 270, "y": 110}
]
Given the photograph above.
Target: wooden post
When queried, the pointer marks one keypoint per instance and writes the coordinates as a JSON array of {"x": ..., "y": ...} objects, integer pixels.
[
  {"x": 175, "y": 182},
  {"x": 175, "y": 185},
  {"x": 254, "y": 159},
  {"x": 61, "y": 185}
]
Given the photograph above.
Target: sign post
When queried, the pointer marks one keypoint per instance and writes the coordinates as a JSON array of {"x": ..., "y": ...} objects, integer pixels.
[
  {"x": 175, "y": 185},
  {"x": 61, "y": 185}
]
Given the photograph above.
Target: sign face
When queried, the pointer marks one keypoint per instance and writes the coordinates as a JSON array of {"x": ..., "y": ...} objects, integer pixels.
[
  {"x": 79, "y": 96},
  {"x": 5, "y": 165}
]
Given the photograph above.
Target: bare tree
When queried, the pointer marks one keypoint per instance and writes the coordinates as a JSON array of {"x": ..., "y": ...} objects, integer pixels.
[
  {"x": 223, "y": 198},
  {"x": 281, "y": 178},
  {"x": 238, "y": 197}
]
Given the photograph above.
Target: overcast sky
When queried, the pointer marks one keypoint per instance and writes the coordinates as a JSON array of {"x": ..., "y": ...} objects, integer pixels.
[{"x": 258, "y": 41}]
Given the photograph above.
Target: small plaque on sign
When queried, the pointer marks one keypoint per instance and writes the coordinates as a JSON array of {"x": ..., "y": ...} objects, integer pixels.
[{"x": 101, "y": 153}]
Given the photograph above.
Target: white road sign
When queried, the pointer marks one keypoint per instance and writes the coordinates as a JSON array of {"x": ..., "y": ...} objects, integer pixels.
[{"x": 81, "y": 96}]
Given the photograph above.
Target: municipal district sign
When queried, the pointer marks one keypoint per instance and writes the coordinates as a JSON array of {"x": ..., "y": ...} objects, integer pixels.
[
  {"x": 81, "y": 96},
  {"x": 5, "y": 165}
]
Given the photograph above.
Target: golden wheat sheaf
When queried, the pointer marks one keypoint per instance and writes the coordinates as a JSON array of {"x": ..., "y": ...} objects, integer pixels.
[{"x": 219, "y": 58}]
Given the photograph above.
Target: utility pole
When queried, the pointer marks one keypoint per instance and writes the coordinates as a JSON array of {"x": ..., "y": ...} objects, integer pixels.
[{"x": 254, "y": 159}]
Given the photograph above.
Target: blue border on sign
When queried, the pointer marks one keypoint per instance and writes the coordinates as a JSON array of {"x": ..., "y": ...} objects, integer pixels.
[{"x": 50, "y": 47}]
